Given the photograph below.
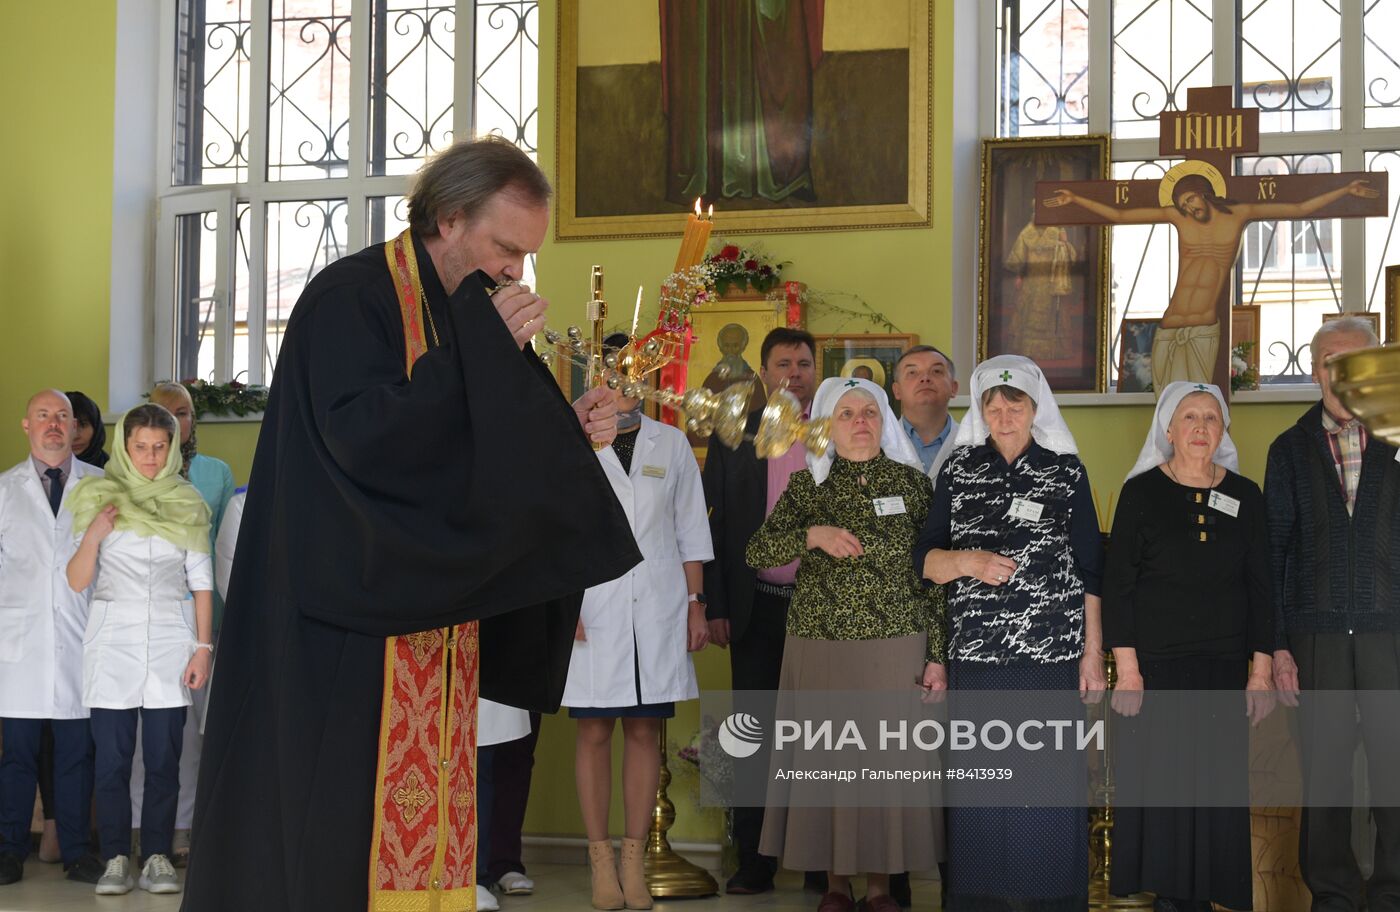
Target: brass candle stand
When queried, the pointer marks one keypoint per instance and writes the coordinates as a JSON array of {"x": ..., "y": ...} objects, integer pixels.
[
  {"x": 1101, "y": 825},
  {"x": 596, "y": 312},
  {"x": 669, "y": 875}
]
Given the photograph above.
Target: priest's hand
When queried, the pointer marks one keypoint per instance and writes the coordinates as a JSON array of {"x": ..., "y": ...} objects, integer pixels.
[
  {"x": 197, "y": 671},
  {"x": 597, "y": 414},
  {"x": 522, "y": 310}
]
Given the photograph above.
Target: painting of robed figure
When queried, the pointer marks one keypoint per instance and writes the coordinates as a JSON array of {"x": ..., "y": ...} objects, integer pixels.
[
  {"x": 785, "y": 114},
  {"x": 1044, "y": 288},
  {"x": 737, "y": 95}
]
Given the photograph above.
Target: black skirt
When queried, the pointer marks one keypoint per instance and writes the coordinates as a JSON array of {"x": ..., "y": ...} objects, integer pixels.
[{"x": 1187, "y": 853}]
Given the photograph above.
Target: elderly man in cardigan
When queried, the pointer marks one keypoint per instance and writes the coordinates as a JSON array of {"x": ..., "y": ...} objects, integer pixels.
[{"x": 1334, "y": 529}]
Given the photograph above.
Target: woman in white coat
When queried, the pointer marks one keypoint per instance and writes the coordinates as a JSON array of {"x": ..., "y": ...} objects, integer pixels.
[
  {"x": 145, "y": 549},
  {"x": 630, "y": 658}
]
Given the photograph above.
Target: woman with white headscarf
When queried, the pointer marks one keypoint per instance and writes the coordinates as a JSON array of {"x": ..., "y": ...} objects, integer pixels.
[
  {"x": 1187, "y": 605},
  {"x": 1013, "y": 533},
  {"x": 859, "y": 620}
]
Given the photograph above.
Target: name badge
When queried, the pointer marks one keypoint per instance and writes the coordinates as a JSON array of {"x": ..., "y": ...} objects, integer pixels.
[
  {"x": 1224, "y": 503},
  {"x": 889, "y": 506},
  {"x": 651, "y": 471},
  {"x": 1028, "y": 510}
]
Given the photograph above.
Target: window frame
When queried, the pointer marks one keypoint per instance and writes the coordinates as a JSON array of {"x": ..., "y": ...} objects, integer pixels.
[
  {"x": 356, "y": 188},
  {"x": 1352, "y": 141}
]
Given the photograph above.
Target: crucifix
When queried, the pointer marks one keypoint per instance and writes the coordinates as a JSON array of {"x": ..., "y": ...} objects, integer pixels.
[{"x": 1210, "y": 212}]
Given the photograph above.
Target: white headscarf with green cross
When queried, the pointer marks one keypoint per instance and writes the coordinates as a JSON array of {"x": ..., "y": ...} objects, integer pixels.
[{"x": 1049, "y": 429}]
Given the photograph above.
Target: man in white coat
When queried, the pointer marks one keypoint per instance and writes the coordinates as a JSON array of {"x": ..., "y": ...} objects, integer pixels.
[{"x": 41, "y": 644}]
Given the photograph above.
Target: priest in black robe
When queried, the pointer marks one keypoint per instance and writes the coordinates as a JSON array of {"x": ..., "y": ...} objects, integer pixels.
[{"x": 381, "y": 506}]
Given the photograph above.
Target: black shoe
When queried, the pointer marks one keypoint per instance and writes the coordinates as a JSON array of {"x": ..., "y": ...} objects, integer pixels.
[
  {"x": 87, "y": 869},
  {"x": 899, "y": 890},
  {"x": 752, "y": 877},
  {"x": 11, "y": 869},
  {"x": 814, "y": 881}
]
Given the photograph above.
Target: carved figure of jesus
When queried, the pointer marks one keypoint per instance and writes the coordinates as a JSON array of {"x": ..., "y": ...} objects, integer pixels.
[{"x": 1209, "y": 228}]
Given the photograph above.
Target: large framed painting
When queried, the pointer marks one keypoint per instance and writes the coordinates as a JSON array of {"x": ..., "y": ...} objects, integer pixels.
[
  {"x": 870, "y": 356},
  {"x": 1043, "y": 290},
  {"x": 786, "y": 115}
]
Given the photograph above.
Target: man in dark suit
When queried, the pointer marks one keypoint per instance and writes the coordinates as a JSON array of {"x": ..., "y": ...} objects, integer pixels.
[{"x": 748, "y": 610}]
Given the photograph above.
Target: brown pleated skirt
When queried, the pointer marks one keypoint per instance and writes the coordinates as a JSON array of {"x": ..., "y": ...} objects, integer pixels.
[{"x": 876, "y": 840}]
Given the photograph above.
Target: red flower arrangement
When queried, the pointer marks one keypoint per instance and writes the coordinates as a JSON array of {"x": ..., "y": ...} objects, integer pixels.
[{"x": 739, "y": 269}]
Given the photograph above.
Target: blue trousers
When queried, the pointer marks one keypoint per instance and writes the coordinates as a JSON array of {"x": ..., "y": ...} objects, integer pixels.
[
  {"x": 114, "y": 736},
  {"x": 72, "y": 784}
]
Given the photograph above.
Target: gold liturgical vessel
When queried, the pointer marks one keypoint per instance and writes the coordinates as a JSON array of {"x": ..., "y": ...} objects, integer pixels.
[{"x": 1368, "y": 383}]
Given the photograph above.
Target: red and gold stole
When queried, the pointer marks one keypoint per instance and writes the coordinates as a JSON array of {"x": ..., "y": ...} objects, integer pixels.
[{"x": 423, "y": 858}]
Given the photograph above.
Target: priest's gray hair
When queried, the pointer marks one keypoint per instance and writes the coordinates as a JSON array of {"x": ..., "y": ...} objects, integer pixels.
[
  {"x": 1358, "y": 326},
  {"x": 466, "y": 175}
]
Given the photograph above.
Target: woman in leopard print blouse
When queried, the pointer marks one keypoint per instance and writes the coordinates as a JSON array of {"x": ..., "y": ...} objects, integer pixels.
[{"x": 859, "y": 620}]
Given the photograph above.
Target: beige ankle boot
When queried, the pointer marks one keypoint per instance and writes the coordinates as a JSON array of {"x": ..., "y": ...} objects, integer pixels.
[
  {"x": 634, "y": 875},
  {"x": 607, "y": 892}
]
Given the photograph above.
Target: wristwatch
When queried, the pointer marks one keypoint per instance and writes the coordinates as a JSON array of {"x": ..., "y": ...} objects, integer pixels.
[{"x": 698, "y": 597}]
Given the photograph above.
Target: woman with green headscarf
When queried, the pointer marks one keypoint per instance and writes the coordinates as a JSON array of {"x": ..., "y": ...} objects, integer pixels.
[{"x": 145, "y": 550}]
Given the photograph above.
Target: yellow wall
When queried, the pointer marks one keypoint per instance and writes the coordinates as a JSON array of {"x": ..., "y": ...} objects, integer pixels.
[
  {"x": 56, "y": 61},
  {"x": 55, "y": 216}
]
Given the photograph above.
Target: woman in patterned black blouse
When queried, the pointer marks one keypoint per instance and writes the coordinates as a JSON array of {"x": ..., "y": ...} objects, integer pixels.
[
  {"x": 1013, "y": 533},
  {"x": 859, "y": 620}
]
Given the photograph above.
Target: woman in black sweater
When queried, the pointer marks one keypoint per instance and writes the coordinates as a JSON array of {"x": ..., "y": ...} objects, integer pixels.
[{"x": 1187, "y": 606}]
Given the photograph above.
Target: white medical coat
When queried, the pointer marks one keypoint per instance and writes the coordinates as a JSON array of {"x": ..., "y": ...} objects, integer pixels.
[
  {"x": 639, "y": 619},
  {"x": 41, "y": 618}
]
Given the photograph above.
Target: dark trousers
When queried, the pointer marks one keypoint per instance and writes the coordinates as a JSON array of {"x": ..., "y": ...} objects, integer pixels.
[
  {"x": 1362, "y": 662},
  {"x": 485, "y": 798},
  {"x": 512, "y": 767},
  {"x": 72, "y": 784},
  {"x": 46, "y": 770},
  {"x": 114, "y": 736},
  {"x": 755, "y": 663}
]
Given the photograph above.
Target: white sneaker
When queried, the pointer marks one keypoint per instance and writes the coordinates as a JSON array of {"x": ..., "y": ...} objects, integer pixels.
[
  {"x": 116, "y": 880},
  {"x": 158, "y": 876},
  {"x": 513, "y": 883},
  {"x": 486, "y": 900}
]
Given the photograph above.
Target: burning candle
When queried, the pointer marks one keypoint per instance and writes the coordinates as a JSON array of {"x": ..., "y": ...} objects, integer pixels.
[
  {"x": 702, "y": 239},
  {"x": 636, "y": 312},
  {"x": 692, "y": 224}
]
